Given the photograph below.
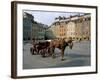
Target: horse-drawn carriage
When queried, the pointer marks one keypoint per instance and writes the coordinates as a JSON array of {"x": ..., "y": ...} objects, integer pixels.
[
  {"x": 47, "y": 47},
  {"x": 41, "y": 47}
]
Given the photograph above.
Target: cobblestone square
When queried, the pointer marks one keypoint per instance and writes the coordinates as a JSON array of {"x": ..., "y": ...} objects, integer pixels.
[{"x": 80, "y": 55}]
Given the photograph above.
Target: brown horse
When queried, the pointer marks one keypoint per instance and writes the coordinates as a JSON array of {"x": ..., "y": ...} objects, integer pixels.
[{"x": 61, "y": 44}]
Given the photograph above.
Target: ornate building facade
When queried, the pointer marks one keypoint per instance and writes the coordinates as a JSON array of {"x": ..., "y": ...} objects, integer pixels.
[{"x": 77, "y": 27}]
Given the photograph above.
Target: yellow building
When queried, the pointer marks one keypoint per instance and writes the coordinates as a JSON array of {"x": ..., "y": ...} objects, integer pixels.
[{"x": 71, "y": 30}]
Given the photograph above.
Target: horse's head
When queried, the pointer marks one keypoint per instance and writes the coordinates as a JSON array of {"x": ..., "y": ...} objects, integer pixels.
[{"x": 69, "y": 43}]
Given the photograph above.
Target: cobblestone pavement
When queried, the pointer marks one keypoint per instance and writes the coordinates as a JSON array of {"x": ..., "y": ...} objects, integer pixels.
[{"x": 78, "y": 56}]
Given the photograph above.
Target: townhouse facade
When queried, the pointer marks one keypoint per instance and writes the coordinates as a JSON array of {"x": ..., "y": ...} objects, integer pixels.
[
  {"x": 32, "y": 29},
  {"x": 77, "y": 27}
]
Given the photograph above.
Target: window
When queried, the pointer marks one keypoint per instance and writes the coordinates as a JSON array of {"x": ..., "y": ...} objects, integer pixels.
[{"x": 61, "y": 26}]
